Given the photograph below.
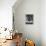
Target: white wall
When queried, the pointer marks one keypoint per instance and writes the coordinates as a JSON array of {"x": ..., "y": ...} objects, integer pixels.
[
  {"x": 6, "y": 13},
  {"x": 30, "y": 31},
  {"x": 43, "y": 22},
  {"x": 20, "y": 12}
]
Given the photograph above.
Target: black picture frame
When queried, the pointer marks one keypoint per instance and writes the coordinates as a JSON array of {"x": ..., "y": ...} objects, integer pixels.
[{"x": 29, "y": 18}]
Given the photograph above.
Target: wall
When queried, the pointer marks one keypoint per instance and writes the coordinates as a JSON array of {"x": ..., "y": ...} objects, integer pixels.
[
  {"x": 43, "y": 22},
  {"x": 30, "y": 31}
]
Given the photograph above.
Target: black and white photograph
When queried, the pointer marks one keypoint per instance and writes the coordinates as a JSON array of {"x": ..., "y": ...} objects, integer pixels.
[{"x": 29, "y": 19}]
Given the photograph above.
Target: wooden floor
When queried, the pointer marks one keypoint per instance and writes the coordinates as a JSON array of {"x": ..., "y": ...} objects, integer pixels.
[{"x": 9, "y": 43}]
